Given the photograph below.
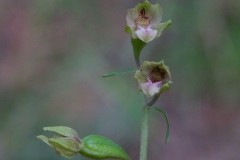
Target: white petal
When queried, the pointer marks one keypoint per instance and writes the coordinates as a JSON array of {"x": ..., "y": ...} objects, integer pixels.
[
  {"x": 144, "y": 87},
  {"x": 131, "y": 17},
  {"x": 154, "y": 88},
  {"x": 146, "y": 34},
  {"x": 156, "y": 14},
  {"x": 150, "y": 89}
]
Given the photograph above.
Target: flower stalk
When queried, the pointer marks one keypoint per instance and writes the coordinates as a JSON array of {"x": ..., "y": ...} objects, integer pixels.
[
  {"x": 154, "y": 78},
  {"x": 144, "y": 135}
]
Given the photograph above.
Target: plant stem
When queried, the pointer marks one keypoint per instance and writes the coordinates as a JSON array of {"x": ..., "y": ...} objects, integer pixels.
[{"x": 144, "y": 135}]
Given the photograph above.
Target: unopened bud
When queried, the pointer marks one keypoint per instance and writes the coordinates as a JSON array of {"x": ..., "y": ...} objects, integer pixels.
[{"x": 66, "y": 142}]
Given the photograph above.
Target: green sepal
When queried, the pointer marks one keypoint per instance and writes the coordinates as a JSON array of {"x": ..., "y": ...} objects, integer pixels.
[
  {"x": 66, "y": 142},
  {"x": 98, "y": 147},
  {"x": 165, "y": 87},
  {"x": 111, "y": 74},
  {"x": 127, "y": 29},
  {"x": 66, "y": 147},
  {"x": 162, "y": 26},
  {"x": 138, "y": 45},
  {"x": 62, "y": 130},
  {"x": 44, "y": 139},
  {"x": 167, "y": 136}
]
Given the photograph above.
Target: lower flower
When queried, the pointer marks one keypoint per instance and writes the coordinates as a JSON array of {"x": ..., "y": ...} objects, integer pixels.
[{"x": 153, "y": 78}]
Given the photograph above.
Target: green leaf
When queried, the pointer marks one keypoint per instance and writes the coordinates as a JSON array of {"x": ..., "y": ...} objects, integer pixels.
[
  {"x": 167, "y": 137},
  {"x": 138, "y": 45},
  {"x": 98, "y": 147},
  {"x": 111, "y": 74}
]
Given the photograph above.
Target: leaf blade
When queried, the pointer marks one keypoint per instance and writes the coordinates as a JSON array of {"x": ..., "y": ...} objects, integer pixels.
[
  {"x": 167, "y": 135},
  {"x": 112, "y": 74}
]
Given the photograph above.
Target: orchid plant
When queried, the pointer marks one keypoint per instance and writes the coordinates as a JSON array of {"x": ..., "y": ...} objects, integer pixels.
[{"x": 144, "y": 25}]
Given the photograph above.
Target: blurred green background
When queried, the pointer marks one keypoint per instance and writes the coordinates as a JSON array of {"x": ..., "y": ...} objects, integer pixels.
[{"x": 52, "y": 56}]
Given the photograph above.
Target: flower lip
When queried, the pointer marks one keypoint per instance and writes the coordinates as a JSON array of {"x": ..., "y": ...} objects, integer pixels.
[
  {"x": 149, "y": 88},
  {"x": 146, "y": 34}
]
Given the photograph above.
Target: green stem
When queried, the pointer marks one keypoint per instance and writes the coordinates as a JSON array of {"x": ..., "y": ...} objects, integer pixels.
[{"x": 144, "y": 135}]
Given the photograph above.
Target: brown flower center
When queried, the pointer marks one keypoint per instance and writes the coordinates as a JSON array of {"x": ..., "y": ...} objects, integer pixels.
[
  {"x": 143, "y": 19},
  {"x": 158, "y": 74}
]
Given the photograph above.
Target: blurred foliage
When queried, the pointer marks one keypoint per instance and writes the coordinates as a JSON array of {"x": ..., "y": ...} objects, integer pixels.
[{"x": 52, "y": 56}]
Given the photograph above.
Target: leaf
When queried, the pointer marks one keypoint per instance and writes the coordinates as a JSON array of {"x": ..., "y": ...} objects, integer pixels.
[
  {"x": 111, "y": 74},
  {"x": 138, "y": 45},
  {"x": 98, "y": 147},
  {"x": 167, "y": 137}
]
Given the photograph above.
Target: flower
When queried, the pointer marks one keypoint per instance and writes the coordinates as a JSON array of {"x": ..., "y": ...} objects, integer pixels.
[
  {"x": 143, "y": 21},
  {"x": 153, "y": 78},
  {"x": 67, "y": 142}
]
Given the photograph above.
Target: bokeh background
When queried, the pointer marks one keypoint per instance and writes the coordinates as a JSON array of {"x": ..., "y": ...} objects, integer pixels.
[{"x": 52, "y": 56}]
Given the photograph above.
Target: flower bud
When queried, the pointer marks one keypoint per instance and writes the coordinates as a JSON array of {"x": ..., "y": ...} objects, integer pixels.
[
  {"x": 153, "y": 78},
  {"x": 143, "y": 21},
  {"x": 66, "y": 142}
]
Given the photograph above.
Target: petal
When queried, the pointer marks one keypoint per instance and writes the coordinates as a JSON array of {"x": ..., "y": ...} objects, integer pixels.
[
  {"x": 131, "y": 18},
  {"x": 155, "y": 13},
  {"x": 146, "y": 34},
  {"x": 148, "y": 66},
  {"x": 141, "y": 78},
  {"x": 154, "y": 88},
  {"x": 145, "y": 88},
  {"x": 150, "y": 89}
]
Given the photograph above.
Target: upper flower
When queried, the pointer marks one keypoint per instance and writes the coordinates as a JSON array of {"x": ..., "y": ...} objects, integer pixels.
[
  {"x": 143, "y": 21},
  {"x": 153, "y": 78}
]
